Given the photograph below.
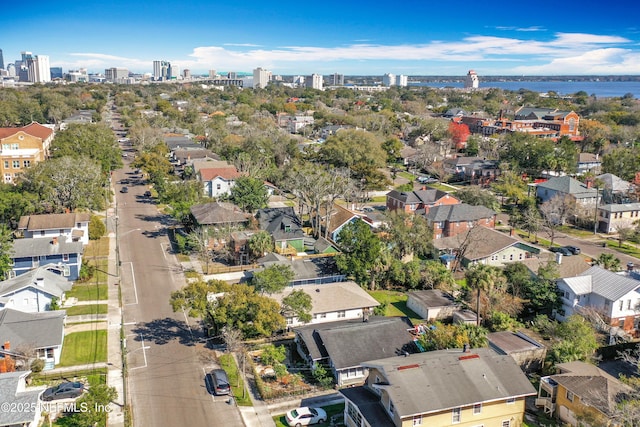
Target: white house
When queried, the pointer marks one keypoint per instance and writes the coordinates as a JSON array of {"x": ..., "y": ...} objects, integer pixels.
[
  {"x": 39, "y": 332},
  {"x": 331, "y": 302},
  {"x": 73, "y": 226},
  {"x": 616, "y": 297},
  {"x": 217, "y": 177},
  {"x": 33, "y": 291}
]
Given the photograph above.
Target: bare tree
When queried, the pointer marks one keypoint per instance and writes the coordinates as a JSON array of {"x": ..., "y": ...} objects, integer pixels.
[
  {"x": 625, "y": 231},
  {"x": 555, "y": 212}
]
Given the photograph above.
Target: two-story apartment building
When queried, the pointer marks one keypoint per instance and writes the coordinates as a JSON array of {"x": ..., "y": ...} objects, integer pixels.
[
  {"x": 440, "y": 388},
  {"x": 615, "y": 297},
  {"x": 582, "y": 194},
  {"x": 419, "y": 200},
  {"x": 217, "y": 177},
  {"x": 58, "y": 254},
  {"x": 615, "y": 216},
  {"x": 21, "y": 148},
  {"x": 71, "y": 226},
  {"x": 451, "y": 220}
]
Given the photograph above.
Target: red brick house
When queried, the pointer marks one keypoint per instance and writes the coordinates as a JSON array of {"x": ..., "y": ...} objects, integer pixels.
[
  {"x": 419, "y": 200},
  {"x": 451, "y": 220}
]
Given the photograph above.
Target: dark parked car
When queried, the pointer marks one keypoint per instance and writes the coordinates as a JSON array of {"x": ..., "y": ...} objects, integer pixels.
[
  {"x": 124, "y": 190},
  {"x": 66, "y": 390},
  {"x": 147, "y": 193},
  {"x": 573, "y": 249},
  {"x": 561, "y": 249},
  {"x": 218, "y": 381}
]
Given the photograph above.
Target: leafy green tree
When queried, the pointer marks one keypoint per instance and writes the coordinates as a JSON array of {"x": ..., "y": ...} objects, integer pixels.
[
  {"x": 360, "y": 251},
  {"x": 483, "y": 278},
  {"x": 393, "y": 147},
  {"x": 156, "y": 164},
  {"x": 249, "y": 194},
  {"x": 322, "y": 376},
  {"x": 299, "y": 304},
  {"x": 402, "y": 274},
  {"x": 272, "y": 279},
  {"x": 15, "y": 202},
  {"x": 6, "y": 250},
  {"x": 260, "y": 243},
  {"x": 529, "y": 154},
  {"x": 97, "y": 229},
  {"x": 474, "y": 195},
  {"x": 92, "y": 408},
  {"x": 237, "y": 306},
  {"x": 566, "y": 155},
  {"x": 436, "y": 275},
  {"x": 623, "y": 162},
  {"x": 272, "y": 354},
  {"x": 95, "y": 141},
  {"x": 408, "y": 234},
  {"x": 511, "y": 186},
  {"x": 444, "y": 336},
  {"x": 575, "y": 339}
]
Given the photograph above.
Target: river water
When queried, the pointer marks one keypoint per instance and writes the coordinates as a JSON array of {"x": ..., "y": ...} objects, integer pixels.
[{"x": 600, "y": 89}]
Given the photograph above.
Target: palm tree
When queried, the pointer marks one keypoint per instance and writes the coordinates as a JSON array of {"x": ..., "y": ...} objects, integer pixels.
[
  {"x": 609, "y": 261},
  {"x": 482, "y": 277}
]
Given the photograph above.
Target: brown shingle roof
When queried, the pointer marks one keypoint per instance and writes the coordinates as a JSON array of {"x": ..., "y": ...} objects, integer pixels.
[
  {"x": 52, "y": 221},
  {"x": 34, "y": 129},
  {"x": 227, "y": 173}
]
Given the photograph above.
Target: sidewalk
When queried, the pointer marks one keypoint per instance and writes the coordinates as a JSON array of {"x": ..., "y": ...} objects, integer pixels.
[{"x": 115, "y": 364}]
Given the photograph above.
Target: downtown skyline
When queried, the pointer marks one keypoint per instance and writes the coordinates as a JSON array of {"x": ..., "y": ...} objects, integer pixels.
[{"x": 359, "y": 38}]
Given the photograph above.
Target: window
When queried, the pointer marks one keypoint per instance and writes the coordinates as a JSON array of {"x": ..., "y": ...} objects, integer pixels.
[
  {"x": 6, "y": 164},
  {"x": 16, "y": 164},
  {"x": 26, "y": 301},
  {"x": 354, "y": 414},
  {"x": 7, "y": 177},
  {"x": 511, "y": 401},
  {"x": 65, "y": 257},
  {"x": 341, "y": 313},
  {"x": 323, "y": 315},
  {"x": 621, "y": 304},
  {"x": 456, "y": 416},
  {"x": 628, "y": 304},
  {"x": 15, "y": 146},
  {"x": 26, "y": 163},
  {"x": 391, "y": 407},
  {"x": 289, "y": 320},
  {"x": 41, "y": 232},
  {"x": 218, "y": 186},
  {"x": 417, "y": 420},
  {"x": 477, "y": 408},
  {"x": 569, "y": 396}
]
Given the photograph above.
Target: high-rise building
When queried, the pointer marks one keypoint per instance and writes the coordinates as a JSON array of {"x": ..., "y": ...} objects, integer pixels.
[
  {"x": 314, "y": 81},
  {"x": 212, "y": 74},
  {"x": 337, "y": 79},
  {"x": 186, "y": 74},
  {"x": 389, "y": 80},
  {"x": 402, "y": 80},
  {"x": 161, "y": 70},
  {"x": 116, "y": 75},
  {"x": 261, "y": 78},
  {"x": 1, "y": 61},
  {"x": 471, "y": 82},
  {"x": 11, "y": 70},
  {"x": 38, "y": 69},
  {"x": 232, "y": 75}
]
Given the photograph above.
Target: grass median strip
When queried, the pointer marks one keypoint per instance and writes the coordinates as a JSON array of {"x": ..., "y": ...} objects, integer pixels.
[
  {"x": 79, "y": 310},
  {"x": 88, "y": 292}
]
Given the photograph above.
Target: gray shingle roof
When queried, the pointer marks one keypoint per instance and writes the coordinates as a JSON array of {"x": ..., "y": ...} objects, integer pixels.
[
  {"x": 625, "y": 207},
  {"x": 457, "y": 213},
  {"x": 433, "y": 298},
  {"x": 427, "y": 196},
  {"x": 52, "y": 283},
  {"x": 614, "y": 183},
  {"x": 35, "y": 330},
  {"x": 568, "y": 185},
  {"x": 349, "y": 343},
  {"x": 43, "y": 247},
  {"x": 440, "y": 380},
  {"x": 603, "y": 282},
  {"x": 218, "y": 213},
  {"x": 276, "y": 220},
  {"x": 330, "y": 297},
  {"x": 13, "y": 392},
  {"x": 482, "y": 242},
  {"x": 303, "y": 269}
]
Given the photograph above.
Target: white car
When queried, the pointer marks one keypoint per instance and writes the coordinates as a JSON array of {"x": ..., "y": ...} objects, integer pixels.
[{"x": 305, "y": 416}]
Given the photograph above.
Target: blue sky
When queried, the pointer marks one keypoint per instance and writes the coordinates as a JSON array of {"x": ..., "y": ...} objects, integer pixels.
[{"x": 350, "y": 37}]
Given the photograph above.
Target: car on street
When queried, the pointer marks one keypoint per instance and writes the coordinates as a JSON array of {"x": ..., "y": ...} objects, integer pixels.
[
  {"x": 427, "y": 180},
  {"x": 218, "y": 381},
  {"x": 124, "y": 190},
  {"x": 573, "y": 249},
  {"x": 562, "y": 250},
  {"x": 147, "y": 193},
  {"x": 66, "y": 390},
  {"x": 305, "y": 416}
]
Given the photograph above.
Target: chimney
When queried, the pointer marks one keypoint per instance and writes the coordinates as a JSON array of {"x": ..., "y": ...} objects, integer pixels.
[
  {"x": 512, "y": 232},
  {"x": 54, "y": 241},
  {"x": 558, "y": 258},
  {"x": 589, "y": 183},
  {"x": 7, "y": 346}
]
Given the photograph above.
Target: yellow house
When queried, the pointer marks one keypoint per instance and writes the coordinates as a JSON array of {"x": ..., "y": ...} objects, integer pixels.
[
  {"x": 21, "y": 148},
  {"x": 440, "y": 388},
  {"x": 581, "y": 394}
]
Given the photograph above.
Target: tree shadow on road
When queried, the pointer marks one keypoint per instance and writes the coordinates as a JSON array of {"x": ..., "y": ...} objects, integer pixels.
[{"x": 162, "y": 331}]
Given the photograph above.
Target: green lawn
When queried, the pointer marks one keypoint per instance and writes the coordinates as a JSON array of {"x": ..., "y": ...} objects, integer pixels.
[
  {"x": 238, "y": 389},
  {"x": 625, "y": 249},
  {"x": 87, "y": 309},
  {"x": 330, "y": 409},
  {"x": 407, "y": 175},
  {"x": 88, "y": 292},
  {"x": 80, "y": 348},
  {"x": 397, "y": 304}
]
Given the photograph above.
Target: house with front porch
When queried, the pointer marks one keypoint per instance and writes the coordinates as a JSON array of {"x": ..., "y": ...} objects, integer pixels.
[
  {"x": 439, "y": 388},
  {"x": 581, "y": 391},
  {"x": 613, "y": 298},
  {"x": 58, "y": 254},
  {"x": 33, "y": 291},
  {"x": 615, "y": 216},
  {"x": 41, "y": 333},
  {"x": 582, "y": 194}
]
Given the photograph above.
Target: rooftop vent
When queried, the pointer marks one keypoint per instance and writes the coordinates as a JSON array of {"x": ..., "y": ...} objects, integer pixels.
[{"x": 405, "y": 367}]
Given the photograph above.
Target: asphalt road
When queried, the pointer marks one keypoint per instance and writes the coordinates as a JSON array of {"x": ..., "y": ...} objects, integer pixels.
[
  {"x": 166, "y": 356},
  {"x": 593, "y": 248}
]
